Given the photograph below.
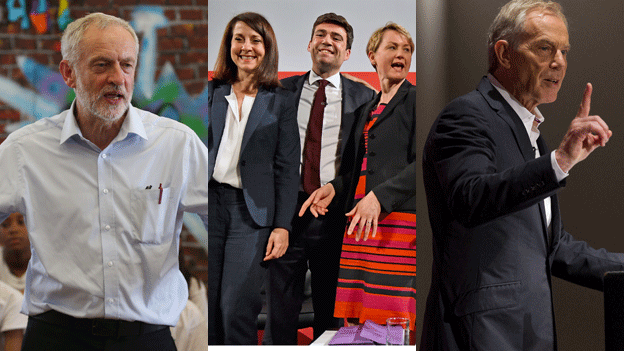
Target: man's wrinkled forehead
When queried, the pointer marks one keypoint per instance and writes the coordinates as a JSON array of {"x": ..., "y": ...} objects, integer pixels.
[
  {"x": 95, "y": 38},
  {"x": 537, "y": 14}
]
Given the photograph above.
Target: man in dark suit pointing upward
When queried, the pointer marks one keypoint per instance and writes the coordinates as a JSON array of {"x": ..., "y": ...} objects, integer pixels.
[{"x": 491, "y": 186}]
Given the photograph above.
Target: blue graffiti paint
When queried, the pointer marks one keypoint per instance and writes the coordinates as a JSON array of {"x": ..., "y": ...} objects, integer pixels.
[
  {"x": 146, "y": 20},
  {"x": 166, "y": 97},
  {"x": 16, "y": 13}
]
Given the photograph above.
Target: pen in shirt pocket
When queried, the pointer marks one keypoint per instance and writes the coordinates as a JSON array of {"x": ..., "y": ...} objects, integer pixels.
[
  {"x": 160, "y": 188},
  {"x": 160, "y": 195}
]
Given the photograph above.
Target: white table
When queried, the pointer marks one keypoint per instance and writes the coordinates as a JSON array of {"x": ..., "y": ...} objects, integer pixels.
[{"x": 324, "y": 339}]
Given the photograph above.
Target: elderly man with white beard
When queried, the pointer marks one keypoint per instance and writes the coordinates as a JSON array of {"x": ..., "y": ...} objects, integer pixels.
[{"x": 103, "y": 187}]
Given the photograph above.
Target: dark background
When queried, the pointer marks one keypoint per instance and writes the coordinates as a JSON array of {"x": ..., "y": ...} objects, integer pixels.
[{"x": 452, "y": 58}]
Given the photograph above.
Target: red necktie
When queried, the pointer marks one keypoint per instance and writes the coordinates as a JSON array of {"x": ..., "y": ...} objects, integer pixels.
[{"x": 310, "y": 175}]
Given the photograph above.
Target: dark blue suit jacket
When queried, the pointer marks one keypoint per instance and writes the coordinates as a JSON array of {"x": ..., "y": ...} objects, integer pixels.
[
  {"x": 354, "y": 95},
  {"x": 391, "y": 163},
  {"x": 269, "y": 158},
  {"x": 492, "y": 255}
]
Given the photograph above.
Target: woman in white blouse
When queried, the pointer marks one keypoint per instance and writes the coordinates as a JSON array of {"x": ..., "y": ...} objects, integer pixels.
[{"x": 253, "y": 165}]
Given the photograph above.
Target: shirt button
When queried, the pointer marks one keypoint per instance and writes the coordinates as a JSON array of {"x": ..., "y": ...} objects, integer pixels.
[
  {"x": 107, "y": 227},
  {"x": 110, "y": 263},
  {"x": 105, "y": 191},
  {"x": 104, "y": 155},
  {"x": 111, "y": 300}
]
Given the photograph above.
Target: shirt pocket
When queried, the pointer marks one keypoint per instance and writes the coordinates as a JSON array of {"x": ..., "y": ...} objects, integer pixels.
[{"x": 151, "y": 216}]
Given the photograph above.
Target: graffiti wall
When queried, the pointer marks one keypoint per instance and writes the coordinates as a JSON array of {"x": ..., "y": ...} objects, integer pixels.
[{"x": 172, "y": 60}]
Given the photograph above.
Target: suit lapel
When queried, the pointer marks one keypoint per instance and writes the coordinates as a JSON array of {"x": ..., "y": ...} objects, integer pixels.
[
  {"x": 361, "y": 122},
  {"x": 219, "y": 112},
  {"x": 543, "y": 149},
  {"x": 260, "y": 105},
  {"x": 399, "y": 97},
  {"x": 504, "y": 111},
  {"x": 299, "y": 84},
  {"x": 347, "y": 120},
  {"x": 502, "y": 108}
]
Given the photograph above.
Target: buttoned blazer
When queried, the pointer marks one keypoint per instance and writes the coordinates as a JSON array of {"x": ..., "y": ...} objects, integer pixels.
[
  {"x": 391, "y": 162},
  {"x": 269, "y": 157},
  {"x": 492, "y": 256},
  {"x": 354, "y": 95}
]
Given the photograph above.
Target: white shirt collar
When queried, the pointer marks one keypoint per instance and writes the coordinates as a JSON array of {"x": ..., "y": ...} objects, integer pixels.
[
  {"x": 132, "y": 124},
  {"x": 333, "y": 80},
  {"x": 525, "y": 115}
]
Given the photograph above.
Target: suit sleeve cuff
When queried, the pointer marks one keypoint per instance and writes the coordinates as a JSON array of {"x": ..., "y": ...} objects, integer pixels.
[{"x": 558, "y": 172}]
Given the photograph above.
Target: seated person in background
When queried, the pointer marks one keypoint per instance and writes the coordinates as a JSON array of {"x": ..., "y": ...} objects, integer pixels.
[
  {"x": 15, "y": 251},
  {"x": 191, "y": 332},
  {"x": 12, "y": 322}
]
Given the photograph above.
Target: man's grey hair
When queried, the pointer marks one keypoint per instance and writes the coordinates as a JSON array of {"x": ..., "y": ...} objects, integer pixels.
[
  {"x": 509, "y": 24},
  {"x": 70, "y": 42}
]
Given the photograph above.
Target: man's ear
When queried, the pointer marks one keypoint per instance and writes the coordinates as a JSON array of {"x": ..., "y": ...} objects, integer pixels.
[
  {"x": 347, "y": 54},
  {"x": 68, "y": 73},
  {"x": 503, "y": 51}
]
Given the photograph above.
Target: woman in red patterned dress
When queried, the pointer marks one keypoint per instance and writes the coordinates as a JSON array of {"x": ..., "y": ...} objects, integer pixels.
[{"x": 377, "y": 277}]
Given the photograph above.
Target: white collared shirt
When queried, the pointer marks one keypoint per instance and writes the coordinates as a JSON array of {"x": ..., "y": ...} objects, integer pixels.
[
  {"x": 104, "y": 237},
  {"x": 331, "y": 139},
  {"x": 226, "y": 163},
  {"x": 527, "y": 119},
  {"x": 10, "y": 316}
]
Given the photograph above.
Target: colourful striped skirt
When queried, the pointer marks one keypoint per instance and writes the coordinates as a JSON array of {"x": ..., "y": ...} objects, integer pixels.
[{"x": 377, "y": 278}]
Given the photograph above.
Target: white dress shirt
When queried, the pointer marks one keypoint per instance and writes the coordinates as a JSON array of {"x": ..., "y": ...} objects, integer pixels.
[
  {"x": 527, "y": 119},
  {"x": 332, "y": 117},
  {"x": 191, "y": 332},
  {"x": 10, "y": 302},
  {"x": 104, "y": 236},
  {"x": 226, "y": 164}
]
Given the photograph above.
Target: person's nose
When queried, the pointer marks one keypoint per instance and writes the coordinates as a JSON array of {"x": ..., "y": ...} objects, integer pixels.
[
  {"x": 559, "y": 60},
  {"x": 13, "y": 229},
  {"x": 326, "y": 40},
  {"x": 247, "y": 45},
  {"x": 117, "y": 75}
]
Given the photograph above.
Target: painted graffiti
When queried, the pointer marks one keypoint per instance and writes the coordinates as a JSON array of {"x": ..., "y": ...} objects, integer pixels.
[
  {"x": 166, "y": 96},
  {"x": 39, "y": 15}
]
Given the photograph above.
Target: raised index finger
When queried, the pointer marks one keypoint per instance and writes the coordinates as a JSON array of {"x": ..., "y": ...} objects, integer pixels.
[{"x": 586, "y": 103}]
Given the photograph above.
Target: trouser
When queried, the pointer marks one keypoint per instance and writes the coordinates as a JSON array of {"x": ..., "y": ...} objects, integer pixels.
[
  {"x": 316, "y": 243},
  {"x": 64, "y": 333},
  {"x": 236, "y": 247}
]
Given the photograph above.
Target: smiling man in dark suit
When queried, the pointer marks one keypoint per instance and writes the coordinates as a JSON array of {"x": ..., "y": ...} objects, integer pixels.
[
  {"x": 316, "y": 241},
  {"x": 491, "y": 186}
]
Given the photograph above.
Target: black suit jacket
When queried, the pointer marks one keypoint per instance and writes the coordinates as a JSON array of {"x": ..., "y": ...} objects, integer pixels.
[
  {"x": 391, "y": 163},
  {"x": 492, "y": 257},
  {"x": 354, "y": 95},
  {"x": 269, "y": 157}
]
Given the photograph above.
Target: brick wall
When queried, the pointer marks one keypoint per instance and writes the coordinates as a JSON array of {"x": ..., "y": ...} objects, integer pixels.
[{"x": 183, "y": 43}]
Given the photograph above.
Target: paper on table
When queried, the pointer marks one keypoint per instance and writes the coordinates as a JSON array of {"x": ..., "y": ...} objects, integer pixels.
[
  {"x": 350, "y": 336},
  {"x": 374, "y": 332}
]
